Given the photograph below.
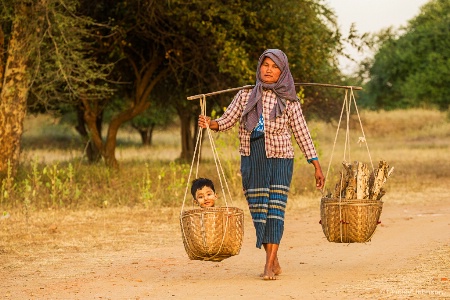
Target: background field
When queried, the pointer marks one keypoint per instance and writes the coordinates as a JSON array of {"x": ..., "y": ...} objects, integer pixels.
[{"x": 414, "y": 142}]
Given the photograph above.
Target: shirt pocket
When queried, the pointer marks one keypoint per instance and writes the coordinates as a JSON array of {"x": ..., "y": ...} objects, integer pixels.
[{"x": 279, "y": 125}]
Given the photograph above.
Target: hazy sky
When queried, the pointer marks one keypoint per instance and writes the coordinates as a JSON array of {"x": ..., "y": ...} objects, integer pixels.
[{"x": 372, "y": 16}]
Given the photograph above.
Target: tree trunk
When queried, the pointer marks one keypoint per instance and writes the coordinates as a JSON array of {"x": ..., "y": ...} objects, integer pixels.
[
  {"x": 145, "y": 82},
  {"x": 111, "y": 141},
  {"x": 92, "y": 152},
  {"x": 146, "y": 134},
  {"x": 90, "y": 115},
  {"x": 108, "y": 148},
  {"x": 187, "y": 141},
  {"x": 2, "y": 56},
  {"x": 14, "y": 92}
]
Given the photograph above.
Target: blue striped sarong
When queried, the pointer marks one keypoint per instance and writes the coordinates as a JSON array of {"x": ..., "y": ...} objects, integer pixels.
[{"x": 266, "y": 183}]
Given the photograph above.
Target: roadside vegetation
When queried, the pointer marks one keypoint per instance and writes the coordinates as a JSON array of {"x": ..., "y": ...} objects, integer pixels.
[{"x": 55, "y": 173}]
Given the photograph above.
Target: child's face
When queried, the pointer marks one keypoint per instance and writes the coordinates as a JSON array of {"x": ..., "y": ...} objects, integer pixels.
[{"x": 205, "y": 197}]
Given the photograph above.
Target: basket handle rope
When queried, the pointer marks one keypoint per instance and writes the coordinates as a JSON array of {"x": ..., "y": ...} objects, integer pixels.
[
  {"x": 346, "y": 105},
  {"x": 219, "y": 169}
]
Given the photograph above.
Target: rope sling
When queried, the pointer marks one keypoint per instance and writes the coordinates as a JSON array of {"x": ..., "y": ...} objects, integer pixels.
[
  {"x": 197, "y": 149},
  {"x": 349, "y": 220},
  {"x": 349, "y": 98},
  {"x": 215, "y": 233}
]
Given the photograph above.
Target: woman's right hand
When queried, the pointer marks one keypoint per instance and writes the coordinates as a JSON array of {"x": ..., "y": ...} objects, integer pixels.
[{"x": 205, "y": 121}]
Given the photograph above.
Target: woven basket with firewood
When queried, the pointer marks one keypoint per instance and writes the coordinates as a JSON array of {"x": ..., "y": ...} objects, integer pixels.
[{"x": 351, "y": 213}]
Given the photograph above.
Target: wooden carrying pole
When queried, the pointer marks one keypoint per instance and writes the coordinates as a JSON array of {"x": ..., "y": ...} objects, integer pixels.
[{"x": 296, "y": 84}]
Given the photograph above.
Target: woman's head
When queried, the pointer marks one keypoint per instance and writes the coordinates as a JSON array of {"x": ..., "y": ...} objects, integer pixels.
[
  {"x": 269, "y": 72},
  {"x": 273, "y": 67},
  {"x": 272, "y": 73}
]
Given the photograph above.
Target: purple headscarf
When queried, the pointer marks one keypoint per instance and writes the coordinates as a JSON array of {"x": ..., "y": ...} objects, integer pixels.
[{"x": 284, "y": 88}]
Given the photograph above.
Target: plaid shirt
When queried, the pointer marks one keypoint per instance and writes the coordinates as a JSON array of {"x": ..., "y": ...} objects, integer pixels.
[{"x": 277, "y": 133}]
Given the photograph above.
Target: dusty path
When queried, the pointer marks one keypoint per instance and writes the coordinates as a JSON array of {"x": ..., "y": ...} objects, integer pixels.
[{"x": 408, "y": 258}]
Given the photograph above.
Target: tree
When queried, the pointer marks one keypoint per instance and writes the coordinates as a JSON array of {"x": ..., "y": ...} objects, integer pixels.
[
  {"x": 157, "y": 115},
  {"x": 47, "y": 59},
  {"x": 412, "y": 68},
  {"x": 144, "y": 40},
  {"x": 15, "y": 80}
]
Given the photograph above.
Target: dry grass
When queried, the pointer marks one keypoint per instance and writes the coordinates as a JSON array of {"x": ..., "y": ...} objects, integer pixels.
[
  {"x": 415, "y": 142},
  {"x": 72, "y": 230},
  {"x": 52, "y": 237}
]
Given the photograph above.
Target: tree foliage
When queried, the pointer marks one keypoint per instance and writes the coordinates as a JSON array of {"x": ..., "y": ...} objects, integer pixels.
[
  {"x": 413, "y": 68},
  {"x": 168, "y": 50},
  {"x": 305, "y": 30},
  {"x": 67, "y": 68}
]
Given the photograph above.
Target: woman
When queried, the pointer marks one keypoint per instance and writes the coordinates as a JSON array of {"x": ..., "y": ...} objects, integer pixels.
[{"x": 269, "y": 114}]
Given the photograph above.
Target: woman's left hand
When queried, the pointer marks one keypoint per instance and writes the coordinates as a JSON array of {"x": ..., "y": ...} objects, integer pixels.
[{"x": 320, "y": 179}]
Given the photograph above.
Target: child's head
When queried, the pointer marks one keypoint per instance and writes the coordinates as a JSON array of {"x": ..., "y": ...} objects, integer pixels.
[{"x": 203, "y": 191}]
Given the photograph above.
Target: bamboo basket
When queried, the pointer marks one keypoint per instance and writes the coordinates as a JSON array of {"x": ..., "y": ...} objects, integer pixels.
[
  {"x": 212, "y": 234},
  {"x": 349, "y": 221}
]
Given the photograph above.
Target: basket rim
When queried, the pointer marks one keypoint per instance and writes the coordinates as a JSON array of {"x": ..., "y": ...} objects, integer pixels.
[
  {"x": 231, "y": 209},
  {"x": 349, "y": 201}
]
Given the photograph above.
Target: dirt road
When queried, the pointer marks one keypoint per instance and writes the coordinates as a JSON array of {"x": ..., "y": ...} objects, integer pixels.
[{"x": 408, "y": 258}]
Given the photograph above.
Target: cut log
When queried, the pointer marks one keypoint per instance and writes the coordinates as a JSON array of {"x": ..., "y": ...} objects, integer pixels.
[
  {"x": 341, "y": 185},
  {"x": 357, "y": 182},
  {"x": 350, "y": 191},
  {"x": 381, "y": 194},
  {"x": 380, "y": 176},
  {"x": 362, "y": 181},
  {"x": 338, "y": 187}
]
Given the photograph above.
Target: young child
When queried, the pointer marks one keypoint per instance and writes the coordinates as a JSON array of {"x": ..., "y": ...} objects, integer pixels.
[{"x": 203, "y": 191}]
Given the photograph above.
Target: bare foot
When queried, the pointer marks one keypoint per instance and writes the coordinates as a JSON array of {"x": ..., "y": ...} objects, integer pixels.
[
  {"x": 268, "y": 274},
  {"x": 276, "y": 269}
]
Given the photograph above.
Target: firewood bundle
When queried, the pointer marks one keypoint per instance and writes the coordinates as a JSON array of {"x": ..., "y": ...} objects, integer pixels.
[{"x": 357, "y": 182}]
